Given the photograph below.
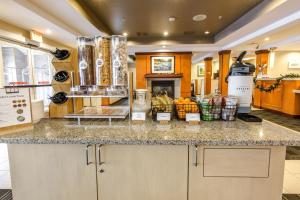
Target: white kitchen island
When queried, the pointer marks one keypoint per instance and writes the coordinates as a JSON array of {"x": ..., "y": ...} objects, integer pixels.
[{"x": 124, "y": 161}]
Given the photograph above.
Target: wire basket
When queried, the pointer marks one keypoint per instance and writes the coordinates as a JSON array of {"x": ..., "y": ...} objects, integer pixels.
[
  {"x": 182, "y": 109},
  {"x": 229, "y": 112},
  {"x": 210, "y": 112},
  {"x": 161, "y": 108}
]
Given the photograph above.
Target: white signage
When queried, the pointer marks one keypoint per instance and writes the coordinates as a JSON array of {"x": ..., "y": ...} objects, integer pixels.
[
  {"x": 139, "y": 116},
  {"x": 15, "y": 107},
  {"x": 192, "y": 117},
  {"x": 163, "y": 116}
]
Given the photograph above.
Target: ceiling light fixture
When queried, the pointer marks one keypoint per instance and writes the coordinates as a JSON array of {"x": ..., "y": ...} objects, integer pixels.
[
  {"x": 164, "y": 46},
  {"x": 166, "y": 33},
  {"x": 200, "y": 17},
  {"x": 125, "y": 34},
  {"x": 207, "y": 32},
  {"x": 220, "y": 17},
  {"x": 267, "y": 39},
  {"x": 48, "y": 31},
  {"x": 172, "y": 19}
]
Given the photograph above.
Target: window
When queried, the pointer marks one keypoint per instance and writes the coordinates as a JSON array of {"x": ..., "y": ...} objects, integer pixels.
[
  {"x": 21, "y": 65},
  {"x": 15, "y": 65}
]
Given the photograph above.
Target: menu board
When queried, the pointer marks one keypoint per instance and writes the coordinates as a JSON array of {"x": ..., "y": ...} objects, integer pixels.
[{"x": 15, "y": 107}]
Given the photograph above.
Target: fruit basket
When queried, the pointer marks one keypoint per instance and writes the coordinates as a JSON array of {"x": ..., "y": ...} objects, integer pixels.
[
  {"x": 184, "y": 106},
  {"x": 211, "y": 107},
  {"x": 161, "y": 104},
  {"x": 229, "y": 108}
]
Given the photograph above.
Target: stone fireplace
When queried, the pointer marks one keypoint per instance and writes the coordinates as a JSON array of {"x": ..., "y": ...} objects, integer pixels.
[
  {"x": 178, "y": 83},
  {"x": 172, "y": 86},
  {"x": 160, "y": 87}
]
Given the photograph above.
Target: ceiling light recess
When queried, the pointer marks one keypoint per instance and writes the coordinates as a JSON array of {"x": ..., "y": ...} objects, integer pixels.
[
  {"x": 172, "y": 19},
  {"x": 166, "y": 33},
  {"x": 200, "y": 17},
  {"x": 125, "y": 34},
  {"x": 206, "y": 32},
  {"x": 267, "y": 39}
]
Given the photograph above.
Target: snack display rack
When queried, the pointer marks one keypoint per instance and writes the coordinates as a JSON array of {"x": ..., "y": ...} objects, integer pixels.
[{"x": 103, "y": 74}]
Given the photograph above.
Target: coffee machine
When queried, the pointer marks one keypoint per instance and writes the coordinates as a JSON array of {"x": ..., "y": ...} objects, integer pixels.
[{"x": 240, "y": 84}]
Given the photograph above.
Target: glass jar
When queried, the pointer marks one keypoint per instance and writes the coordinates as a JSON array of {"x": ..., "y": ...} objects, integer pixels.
[
  {"x": 85, "y": 60},
  {"x": 102, "y": 61},
  {"x": 119, "y": 60}
]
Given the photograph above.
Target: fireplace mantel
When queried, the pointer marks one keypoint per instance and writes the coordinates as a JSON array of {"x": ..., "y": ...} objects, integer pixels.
[{"x": 164, "y": 75}]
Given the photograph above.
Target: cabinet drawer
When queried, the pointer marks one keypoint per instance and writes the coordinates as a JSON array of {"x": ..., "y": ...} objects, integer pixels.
[{"x": 236, "y": 162}]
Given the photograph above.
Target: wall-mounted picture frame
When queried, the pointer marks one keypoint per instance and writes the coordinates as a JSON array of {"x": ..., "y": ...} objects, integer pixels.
[
  {"x": 200, "y": 70},
  {"x": 163, "y": 64},
  {"x": 294, "y": 64}
]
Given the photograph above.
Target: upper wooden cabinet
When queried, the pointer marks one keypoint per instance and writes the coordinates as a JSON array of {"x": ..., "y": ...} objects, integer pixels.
[{"x": 135, "y": 172}]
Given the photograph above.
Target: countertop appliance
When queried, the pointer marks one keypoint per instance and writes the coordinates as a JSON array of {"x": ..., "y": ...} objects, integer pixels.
[{"x": 240, "y": 84}]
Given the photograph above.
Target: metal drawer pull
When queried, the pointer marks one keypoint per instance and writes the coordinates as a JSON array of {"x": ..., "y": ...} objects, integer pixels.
[
  {"x": 87, "y": 154},
  {"x": 99, "y": 156},
  {"x": 196, "y": 156}
]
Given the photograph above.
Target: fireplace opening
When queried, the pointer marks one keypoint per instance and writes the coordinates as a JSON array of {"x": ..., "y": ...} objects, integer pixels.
[{"x": 163, "y": 87}]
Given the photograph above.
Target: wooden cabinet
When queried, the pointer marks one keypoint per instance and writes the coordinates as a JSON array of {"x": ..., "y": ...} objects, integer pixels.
[
  {"x": 236, "y": 173},
  {"x": 135, "y": 172},
  {"x": 52, "y": 172},
  {"x": 282, "y": 99}
]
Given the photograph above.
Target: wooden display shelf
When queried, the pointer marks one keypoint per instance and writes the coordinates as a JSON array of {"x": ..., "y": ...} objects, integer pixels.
[{"x": 164, "y": 75}]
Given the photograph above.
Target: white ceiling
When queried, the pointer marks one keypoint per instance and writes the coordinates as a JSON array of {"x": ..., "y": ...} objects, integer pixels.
[{"x": 279, "y": 23}]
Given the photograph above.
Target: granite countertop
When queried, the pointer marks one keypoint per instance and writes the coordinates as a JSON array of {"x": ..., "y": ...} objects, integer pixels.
[{"x": 61, "y": 131}]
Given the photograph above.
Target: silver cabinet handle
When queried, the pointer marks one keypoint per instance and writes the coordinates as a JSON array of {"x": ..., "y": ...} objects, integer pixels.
[
  {"x": 99, "y": 155},
  {"x": 196, "y": 156},
  {"x": 87, "y": 154}
]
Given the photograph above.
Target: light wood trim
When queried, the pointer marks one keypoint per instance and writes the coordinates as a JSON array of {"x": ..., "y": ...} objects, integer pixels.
[
  {"x": 208, "y": 74},
  {"x": 262, "y": 57},
  {"x": 224, "y": 59}
]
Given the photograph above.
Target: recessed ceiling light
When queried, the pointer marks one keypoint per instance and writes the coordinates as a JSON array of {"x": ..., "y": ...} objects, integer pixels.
[
  {"x": 220, "y": 17},
  {"x": 200, "y": 17},
  {"x": 207, "y": 32},
  {"x": 125, "y": 34},
  {"x": 166, "y": 33},
  {"x": 172, "y": 19},
  {"x": 267, "y": 39},
  {"x": 48, "y": 31},
  {"x": 164, "y": 46}
]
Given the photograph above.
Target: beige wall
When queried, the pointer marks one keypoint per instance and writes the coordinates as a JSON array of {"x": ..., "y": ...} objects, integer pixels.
[
  {"x": 194, "y": 74},
  {"x": 279, "y": 65}
]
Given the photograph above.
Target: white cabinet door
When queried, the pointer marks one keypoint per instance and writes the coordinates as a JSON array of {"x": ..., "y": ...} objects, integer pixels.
[
  {"x": 237, "y": 173},
  {"x": 52, "y": 172},
  {"x": 143, "y": 172}
]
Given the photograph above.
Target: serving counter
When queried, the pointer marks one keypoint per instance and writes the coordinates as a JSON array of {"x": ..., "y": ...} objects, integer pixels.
[
  {"x": 283, "y": 99},
  {"x": 121, "y": 160}
]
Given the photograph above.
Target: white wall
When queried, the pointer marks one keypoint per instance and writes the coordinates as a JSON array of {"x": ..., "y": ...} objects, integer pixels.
[{"x": 280, "y": 63}]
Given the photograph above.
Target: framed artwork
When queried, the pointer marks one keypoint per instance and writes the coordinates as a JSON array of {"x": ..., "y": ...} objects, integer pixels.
[
  {"x": 294, "y": 64},
  {"x": 163, "y": 64},
  {"x": 200, "y": 70}
]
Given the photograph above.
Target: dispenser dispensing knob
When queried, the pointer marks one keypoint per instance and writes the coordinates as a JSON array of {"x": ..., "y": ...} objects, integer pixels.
[{"x": 101, "y": 170}]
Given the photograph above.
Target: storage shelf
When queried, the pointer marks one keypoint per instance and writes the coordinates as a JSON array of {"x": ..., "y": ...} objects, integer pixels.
[
  {"x": 102, "y": 112},
  {"x": 95, "y": 96}
]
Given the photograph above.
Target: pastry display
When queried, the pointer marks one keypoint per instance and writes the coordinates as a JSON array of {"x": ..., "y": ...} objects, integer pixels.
[{"x": 211, "y": 107}]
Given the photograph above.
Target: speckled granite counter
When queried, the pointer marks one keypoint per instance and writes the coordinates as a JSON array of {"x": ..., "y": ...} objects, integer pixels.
[{"x": 177, "y": 132}]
